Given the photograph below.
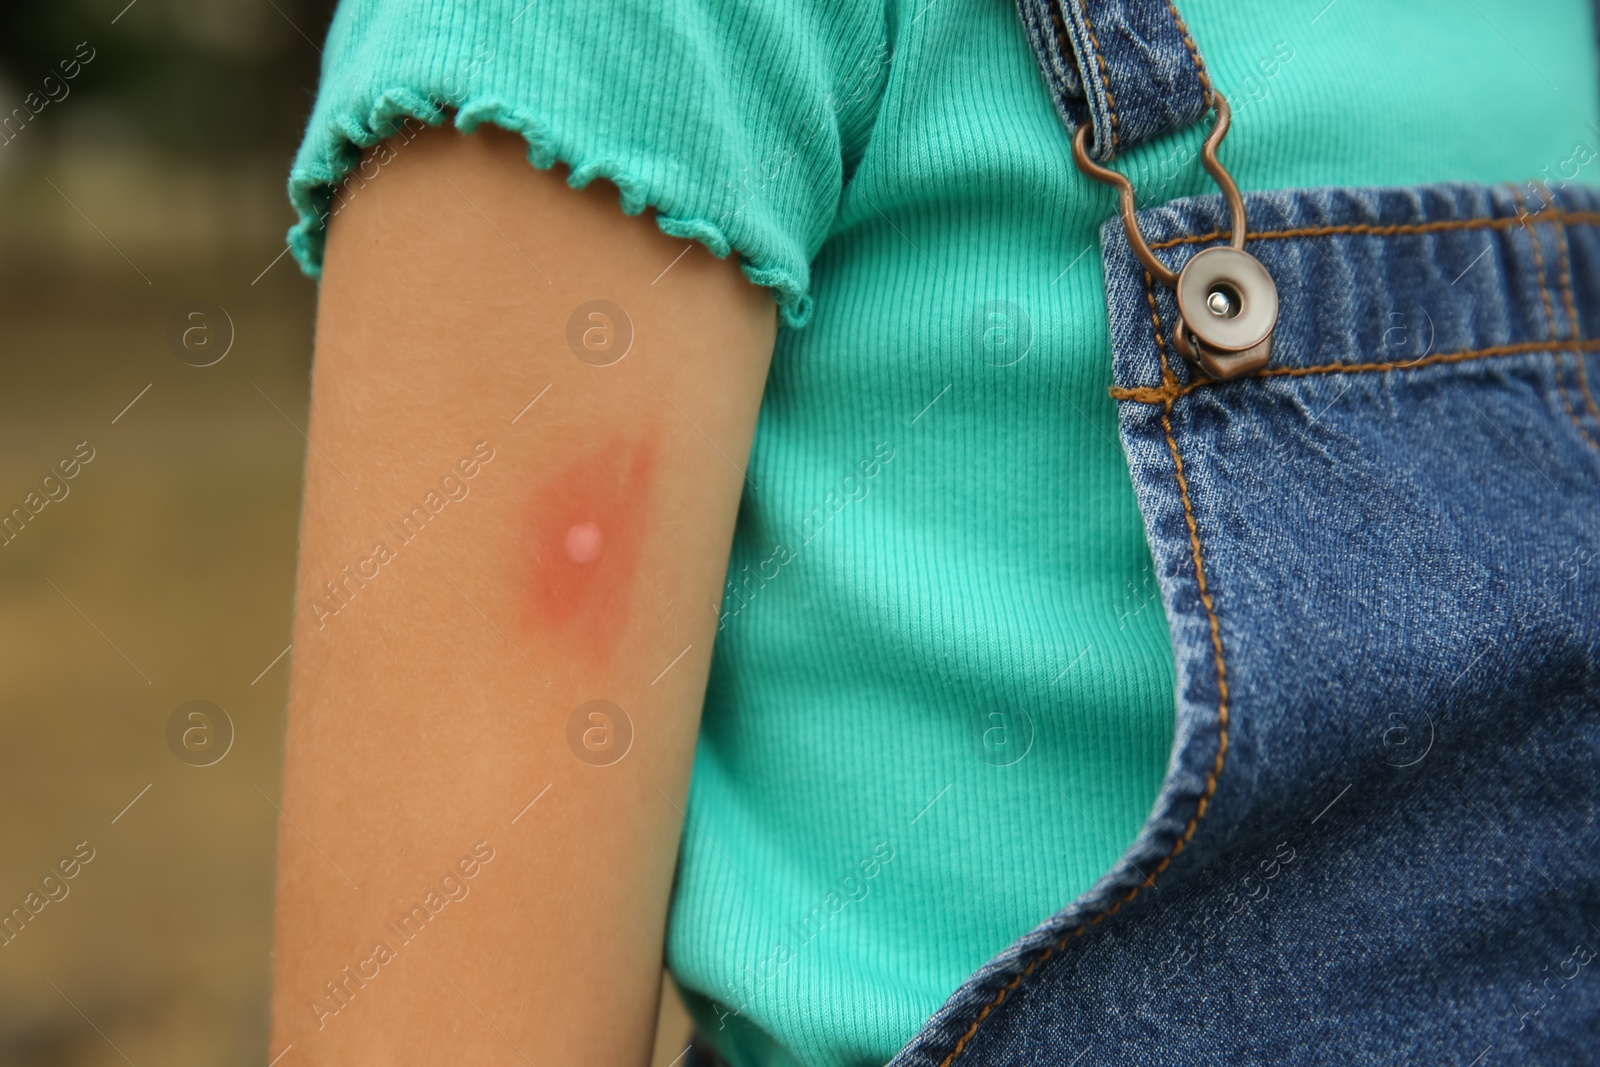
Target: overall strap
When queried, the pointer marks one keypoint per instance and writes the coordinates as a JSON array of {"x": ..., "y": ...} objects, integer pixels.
[
  {"x": 1124, "y": 71},
  {"x": 1129, "y": 68}
]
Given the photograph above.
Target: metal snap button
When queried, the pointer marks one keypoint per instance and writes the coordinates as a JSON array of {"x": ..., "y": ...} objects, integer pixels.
[
  {"x": 1227, "y": 303},
  {"x": 1229, "y": 306}
]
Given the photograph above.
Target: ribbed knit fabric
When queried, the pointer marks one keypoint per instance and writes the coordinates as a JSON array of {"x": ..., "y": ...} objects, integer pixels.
[{"x": 941, "y": 698}]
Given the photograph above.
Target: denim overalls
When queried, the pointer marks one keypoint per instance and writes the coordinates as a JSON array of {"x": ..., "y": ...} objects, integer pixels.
[{"x": 1379, "y": 555}]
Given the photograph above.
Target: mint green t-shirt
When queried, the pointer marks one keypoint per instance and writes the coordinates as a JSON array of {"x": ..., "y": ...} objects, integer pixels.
[{"x": 941, "y": 699}]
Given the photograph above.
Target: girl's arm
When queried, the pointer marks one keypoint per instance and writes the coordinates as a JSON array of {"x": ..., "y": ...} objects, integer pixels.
[{"x": 501, "y": 526}]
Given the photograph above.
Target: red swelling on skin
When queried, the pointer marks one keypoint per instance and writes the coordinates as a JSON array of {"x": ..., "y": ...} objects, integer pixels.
[
  {"x": 584, "y": 543},
  {"x": 582, "y": 535}
]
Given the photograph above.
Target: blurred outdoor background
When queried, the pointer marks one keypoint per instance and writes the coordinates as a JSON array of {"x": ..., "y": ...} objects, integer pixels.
[{"x": 143, "y": 153}]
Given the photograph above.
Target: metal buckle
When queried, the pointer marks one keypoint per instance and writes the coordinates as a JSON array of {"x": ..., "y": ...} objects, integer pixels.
[{"x": 1227, "y": 302}]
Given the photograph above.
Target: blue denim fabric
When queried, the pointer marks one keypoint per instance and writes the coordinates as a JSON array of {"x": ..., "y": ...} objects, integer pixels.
[
  {"x": 1380, "y": 559},
  {"x": 1143, "y": 73}
]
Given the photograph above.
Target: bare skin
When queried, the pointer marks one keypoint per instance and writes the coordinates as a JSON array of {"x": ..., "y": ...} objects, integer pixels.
[{"x": 469, "y": 577}]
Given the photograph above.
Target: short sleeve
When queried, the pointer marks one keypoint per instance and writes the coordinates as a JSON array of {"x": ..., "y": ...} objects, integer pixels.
[{"x": 727, "y": 117}]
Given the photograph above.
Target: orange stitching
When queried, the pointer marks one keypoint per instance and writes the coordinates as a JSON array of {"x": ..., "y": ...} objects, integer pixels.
[
  {"x": 1580, "y": 217},
  {"x": 1058, "y": 27},
  {"x": 1565, "y": 274},
  {"x": 1583, "y": 383},
  {"x": 995, "y": 1003},
  {"x": 1169, "y": 391},
  {"x": 1164, "y": 394},
  {"x": 1538, "y": 263},
  {"x": 1216, "y": 634},
  {"x": 1205, "y": 598},
  {"x": 1222, "y": 734},
  {"x": 1105, "y": 78},
  {"x": 1566, "y": 400},
  {"x": 1145, "y": 394},
  {"x": 1572, "y": 313},
  {"x": 1148, "y": 394},
  {"x": 1168, "y": 379},
  {"x": 1194, "y": 53}
]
